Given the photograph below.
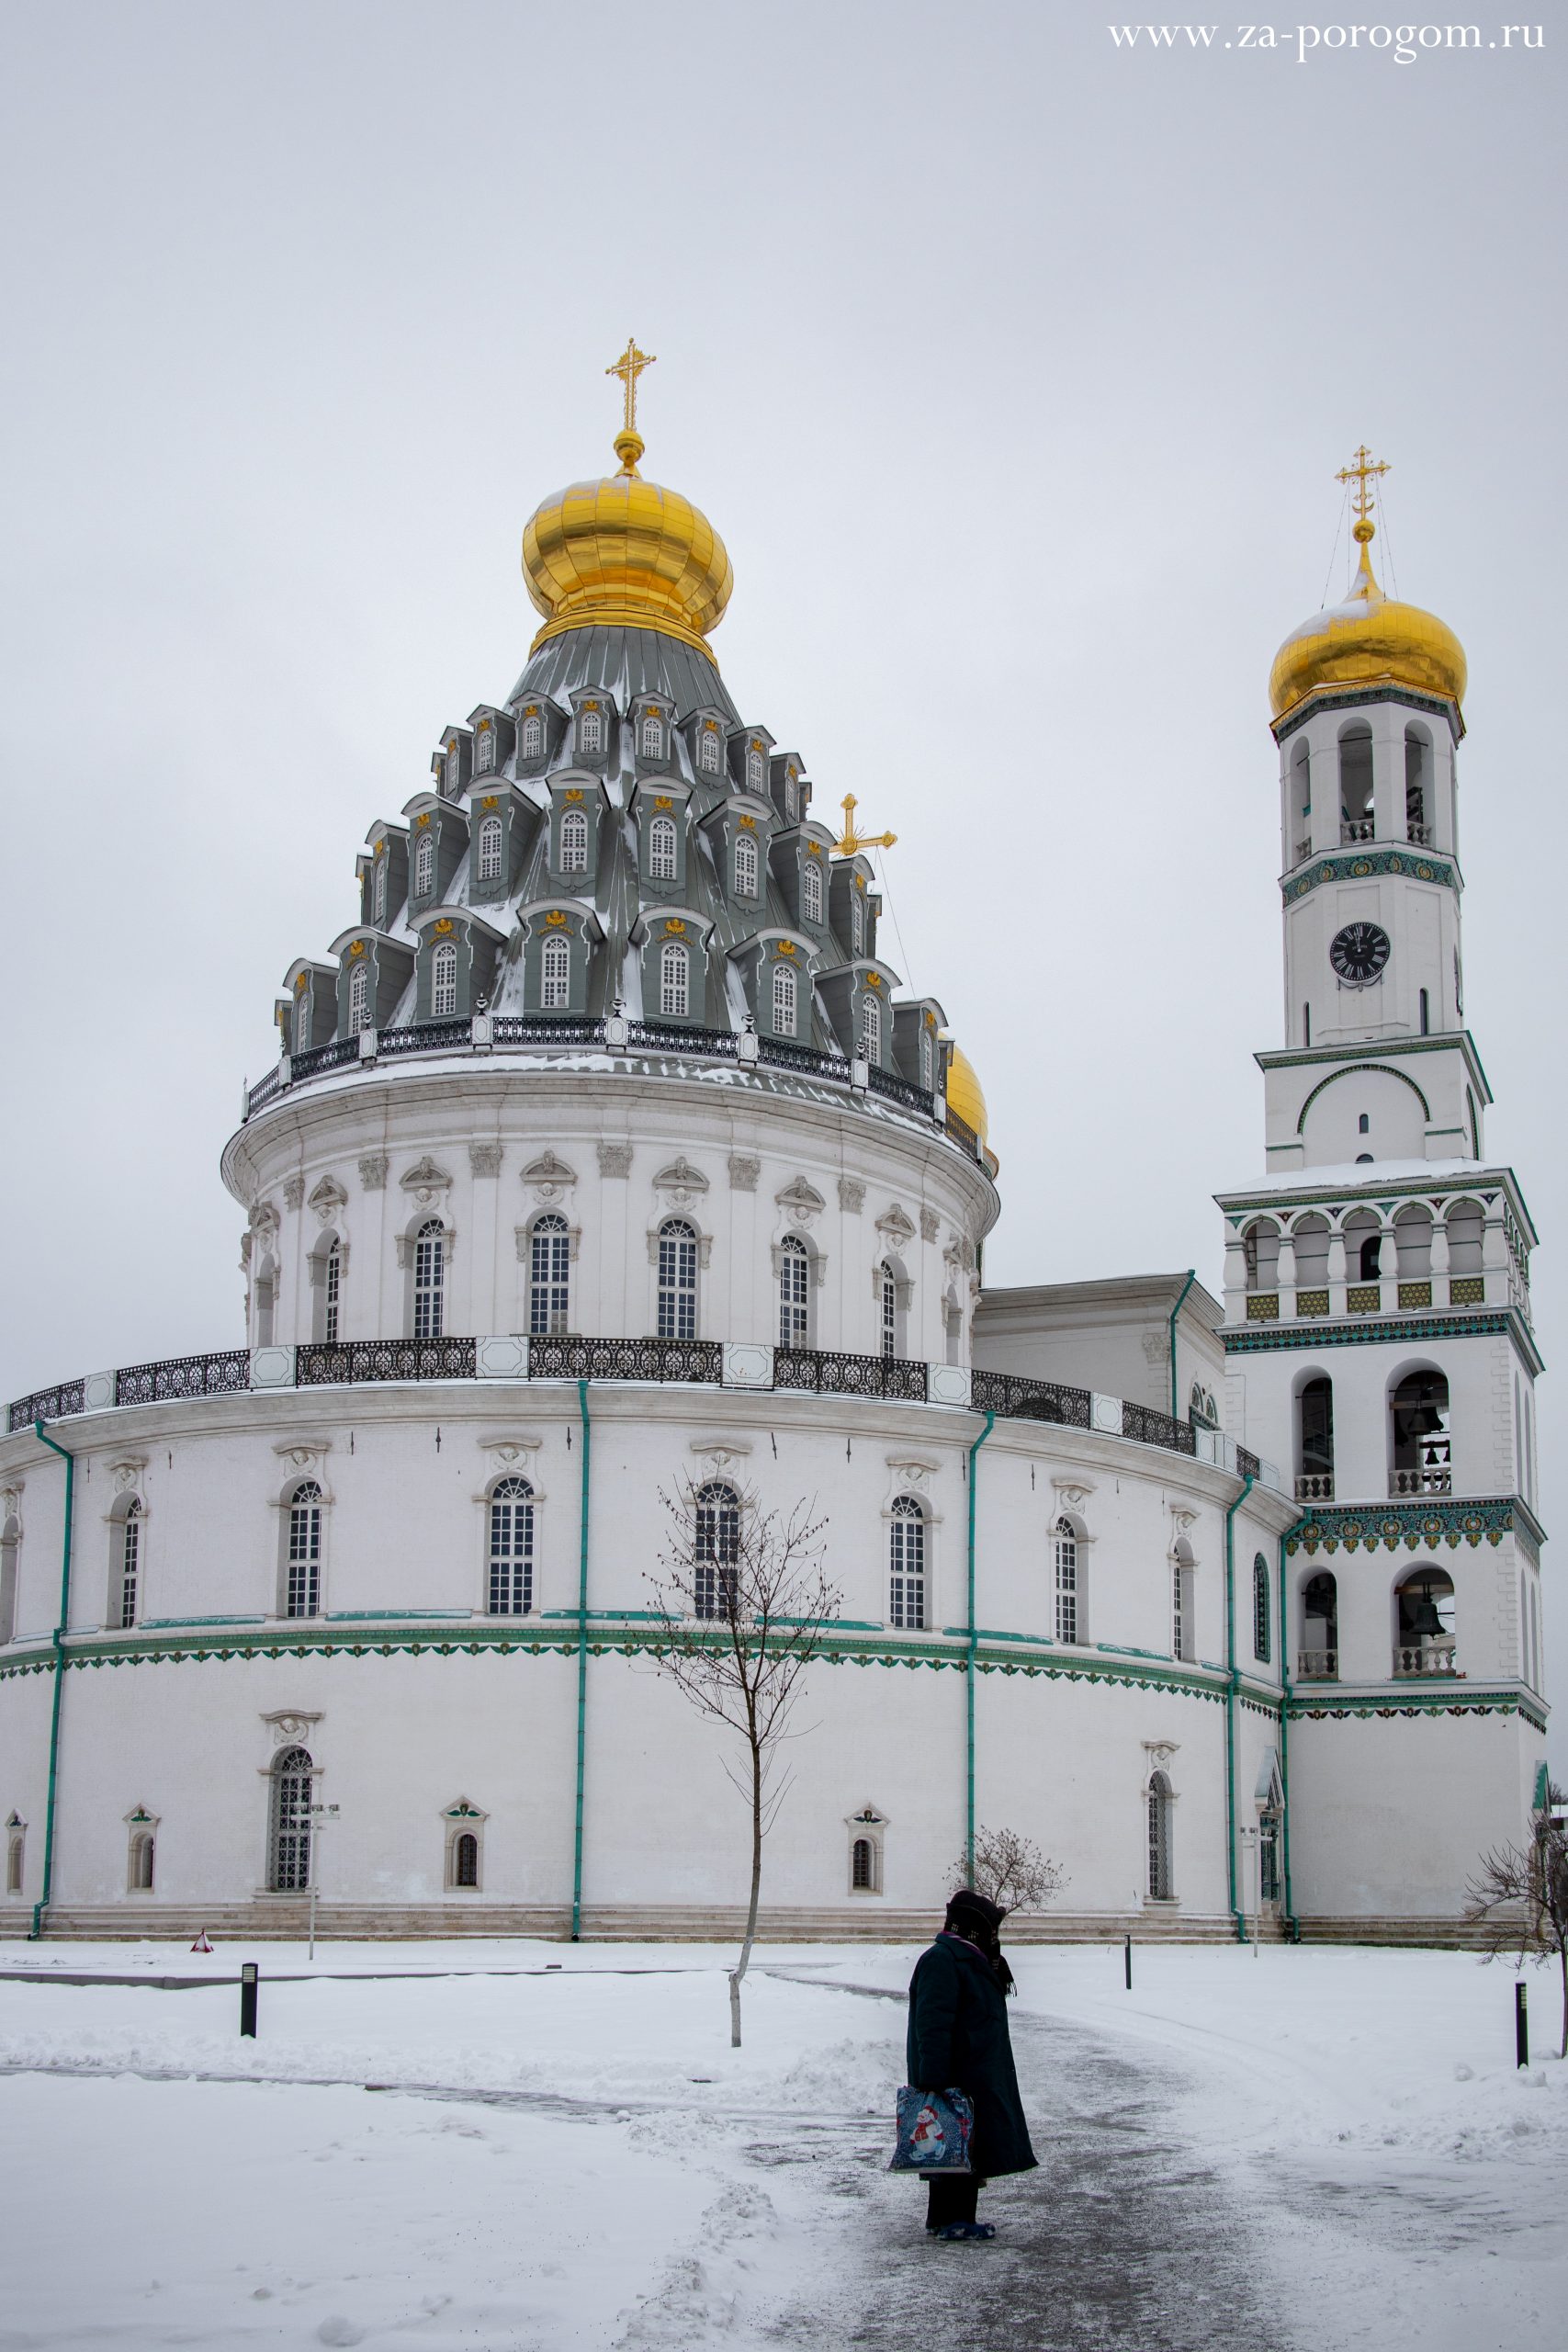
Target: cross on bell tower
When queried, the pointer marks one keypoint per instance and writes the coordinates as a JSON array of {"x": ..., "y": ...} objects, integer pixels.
[{"x": 630, "y": 444}]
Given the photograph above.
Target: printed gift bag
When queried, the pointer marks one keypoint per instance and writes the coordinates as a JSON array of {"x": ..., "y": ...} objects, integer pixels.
[{"x": 933, "y": 2131}]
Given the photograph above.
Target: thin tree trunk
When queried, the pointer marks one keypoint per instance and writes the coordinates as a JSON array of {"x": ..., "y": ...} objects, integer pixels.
[
  {"x": 756, "y": 1890},
  {"x": 1562, "y": 1961}
]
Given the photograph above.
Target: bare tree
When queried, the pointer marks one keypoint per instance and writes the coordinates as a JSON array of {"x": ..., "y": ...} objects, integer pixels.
[
  {"x": 1518, "y": 1897},
  {"x": 743, "y": 1605},
  {"x": 1010, "y": 1870}
]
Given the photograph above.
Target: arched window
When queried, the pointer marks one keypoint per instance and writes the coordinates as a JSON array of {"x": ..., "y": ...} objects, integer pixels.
[
  {"x": 266, "y": 1301},
  {"x": 1260, "y": 1644},
  {"x": 492, "y": 836},
  {"x": 302, "y": 1594},
  {"x": 139, "y": 1873},
  {"x": 10, "y": 1554},
  {"x": 1319, "y": 1657},
  {"x": 1423, "y": 1452},
  {"x": 511, "y": 1548},
  {"x": 746, "y": 865},
  {"x": 1425, "y": 1637},
  {"x": 674, "y": 981},
  {"x": 907, "y": 1566},
  {"x": 1363, "y": 1246},
  {"x": 1418, "y": 787},
  {"x": 1161, "y": 1875},
  {"x": 574, "y": 843},
  {"x": 862, "y": 1866},
  {"x": 380, "y": 897},
  {"x": 1464, "y": 1226},
  {"x": 661, "y": 849},
  {"x": 533, "y": 737},
  {"x": 927, "y": 1062},
  {"x": 128, "y": 1563},
  {"x": 554, "y": 976},
  {"x": 707, "y": 749},
  {"x": 870, "y": 1029},
  {"x": 465, "y": 1859},
  {"x": 1356, "y": 781},
  {"x": 1314, "y": 1422},
  {"x": 1065, "y": 1546},
  {"x": 16, "y": 1854},
  {"x": 887, "y": 1313},
  {"x": 549, "y": 1264},
  {"x": 1301, "y": 777},
  {"x": 677, "y": 1280},
  {"x": 857, "y": 921},
  {"x": 1260, "y": 1244},
  {"x": 754, "y": 772},
  {"x": 1426, "y": 1014},
  {"x": 785, "y": 1000},
  {"x": 424, "y": 864},
  {"x": 484, "y": 750},
  {"x": 332, "y": 1293},
  {"x": 1413, "y": 1237},
  {"x": 454, "y": 770},
  {"x": 429, "y": 1279},
  {"x": 794, "y": 1292},
  {"x": 591, "y": 730},
  {"x": 792, "y": 800},
  {"x": 300, "y": 1041},
  {"x": 288, "y": 1826},
  {"x": 1183, "y": 1573},
  {"x": 811, "y": 891},
  {"x": 444, "y": 982},
  {"x": 359, "y": 998},
  {"x": 715, "y": 1549},
  {"x": 653, "y": 736}
]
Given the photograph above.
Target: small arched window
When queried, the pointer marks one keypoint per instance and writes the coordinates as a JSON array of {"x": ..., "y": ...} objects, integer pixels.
[
  {"x": 791, "y": 799},
  {"x": 746, "y": 865},
  {"x": 1261, "y": 1642},
  {"x": 907, "y": 1566},
  {"x": 1161, "y": 1876},
  {"x": 1464, "y": 1225},
  {"x": 1418, "y": 787},
  {"x": 554, "y": 976},
  {"x": 862, "y": 1866},
  {"x": 871, "y": 1028},
  {"x": 289, "y": 1825},
  {"x": 443, "y": 981},
  {"x": 359, "y": 998},
  {"x": 661, "y": 849},
  {"x": 674, "y": 981},
  {"x": 591, "y": 731},
  {"x": 857, "y": 921},
  {"x": 1356, "y": 782},
  {"x": 332, "y": 1293},
  {"x": 1426, "y": 1014},
  {"x": 1319, "y": 1657},
  {"x": 811, "y": 891},
  {"x": 794, "y": 1292},
  {"x": 677, "y": 1280},
  {"x": 1423, "y": 1449},
  {"x": 1314, "y": 1423},
  {"x": 302, "y": 1594},
  {"x": 139, "y": 1874},
  {"x": 533, "y": 737},
  {"x": 927, "y": 1061},
  {"x": 300, "y": 1042},
  {"x": 10, "y": 1554},
  {"x": 129, "y": 1563},
  {"x": 484, "y": 750},
  {"x": 887, "y": 1313},
  {"x": 510, "y": 1591},
  {"x": 465, "y": 1859},
  {"x": 16, "y": 1854},
  {"x": 707, "y": 749},
  {"x": 549, "y": 1273},
  {"x": 424, "y": 864},
  {"x": 454, "y": 770},
  {"x": 379, "y": 899},
  {"x": 1183, "y": 1596},
  {"x": 653, "y": 736},
  {"x": 1065, "y": 1546},
  {"x": 574, "y": 843},
  {"x": 785, "y": 1000},
  {"x": 491, "y": 835},
  {"x": 754, "y": 771},
  {"x": 715, "y": 1551},
  {"x": 430, "y": 1280}
]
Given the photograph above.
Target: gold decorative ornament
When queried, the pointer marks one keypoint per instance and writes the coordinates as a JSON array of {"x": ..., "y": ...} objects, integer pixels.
[
  {"x": 444, "y": 923},
  {"x": 931, "y": 1021},
  {"x": 357, "y": 947},
  {"x": 874, "y": 980},
  {"x": 484, "y": 727},
  {"x": 813, "y": 849},
  {"x": 662, "y": 800},
  {"x": 299, "y": 983},
  {"x": 574, "y": 792},
  {"x": 531, "y": 710},
  {"x": 749, "y": 824},
  {"x": 422, "y": 817},
  {"x": 590, "y": 706},
  {"x": 555, "y": 920},
  {"x": 860, "y": 881},
  {"x": 784, "y": 947},
  {"x": 851, "y": 841},
  {"x": 710, "y": 727},
  {"x": 490, "y": 801},
  {"x": 674, "y": 923},
  {"x": 1371, "y": 638}
]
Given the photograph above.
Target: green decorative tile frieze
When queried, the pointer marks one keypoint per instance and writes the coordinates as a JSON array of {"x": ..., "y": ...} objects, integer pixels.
[
  {"x": 1358, "y": 865},
  {"x": 1419, "y": 1526}
]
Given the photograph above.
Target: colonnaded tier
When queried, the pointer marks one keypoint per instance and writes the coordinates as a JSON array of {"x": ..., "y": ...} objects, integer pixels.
[{"x": 607, "y": 1161}]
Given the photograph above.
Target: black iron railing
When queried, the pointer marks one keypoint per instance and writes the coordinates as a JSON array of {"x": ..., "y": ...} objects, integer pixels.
[
  {"x": 46, "y": 1405},
  {"x": 655, "y": 1037},
  {"x": 322, "y": 1057},
  {"x": 1018, "y": 1399},
  {"x": 831, "y": 1373},
  {"x": 539, "y": 1029},
  {"x": 1151, "y": 1428},
  {"x": 427, "y": 1037},
  {"x": 777, "y": 1052},
  {"x": 899, "y": 1090},
  {"x": 215, "y": 1376},
  {"x": 570, "y": 1358},
  {"x": 336, "y": 1363}
]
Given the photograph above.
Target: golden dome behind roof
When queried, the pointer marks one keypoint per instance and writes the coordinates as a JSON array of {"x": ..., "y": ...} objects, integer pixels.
[
  {"x": 1371, "y": 638},
  {"x": 966, "y": 1095},
  {"x": 625, "y": 553}
]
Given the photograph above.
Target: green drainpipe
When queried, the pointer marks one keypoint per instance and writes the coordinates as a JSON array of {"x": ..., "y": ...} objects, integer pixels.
[
  {"x": 1191, "y": 1278},
  {"x": 1232, "y": 1684},
  {"x": 581, "y": 1664},
  {"x": 1293, "y": 1925},
  {"x": 41, "y": 1905},
  {"x": 969, "y": 1667}
]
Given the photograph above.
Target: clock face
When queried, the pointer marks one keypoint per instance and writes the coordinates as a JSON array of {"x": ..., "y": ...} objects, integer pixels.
[{"x": 1358, "y": 953}]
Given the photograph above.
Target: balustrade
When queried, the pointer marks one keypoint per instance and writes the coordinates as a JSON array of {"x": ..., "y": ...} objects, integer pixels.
[
  {"x": 1434, "y": 1479},
  {"x": 1425, "y": 1658},
  {"x": 1317, "y": 1666},
  {"x": 1315, "y": 1486}
]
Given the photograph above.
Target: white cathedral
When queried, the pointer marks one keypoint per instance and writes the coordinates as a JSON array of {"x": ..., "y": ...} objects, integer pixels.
[{"x": 605, "y": 1158}]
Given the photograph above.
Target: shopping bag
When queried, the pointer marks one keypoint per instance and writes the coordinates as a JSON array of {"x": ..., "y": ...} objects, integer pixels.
[{"x": 933, "y": 2131}]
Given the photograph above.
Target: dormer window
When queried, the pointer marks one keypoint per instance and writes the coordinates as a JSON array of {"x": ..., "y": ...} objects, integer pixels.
[
  {"x": 661, "y": 849},
  {"x": 811, "y": 891},
  {"x": 591, "y": 730},
  {"x": 358, "y": 999},
  {"x": 870, "y": 1029},
  {"x": 532, "y": 735},
  {"x": 754, "y": 768},
  {"x": 444, "y": 982},
  {"x": 653, "y": 736},
  {"x": 574, "y": 843},
  {"x": 792, "y": 798},
  {"x": 301, "y": 1039},
  {"x": 484, "y": 754},
  {"x": 379, "y": 892},
  {"x": 491, "y": 838},
  {"x": 785, "y": 1000},
  {"x": 857, "y": 923},
  {"x": 926, "y": 1059},
  {"x": 674, "y": 981},
  {"x": 746, "y": 865},
  {"x": 707, "y": 748},
  {"x": 454, "y": 768},
  {"x": 424, "y": 864},
  {"x": 554, "y": 976}
]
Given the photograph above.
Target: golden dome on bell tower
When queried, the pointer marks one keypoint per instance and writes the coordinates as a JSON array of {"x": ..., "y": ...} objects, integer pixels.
[{"x": 625, "y": 552}]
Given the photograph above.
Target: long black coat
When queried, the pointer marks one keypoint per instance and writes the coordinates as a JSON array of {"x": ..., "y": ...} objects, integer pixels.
[{"x": 959, "y": 2041}]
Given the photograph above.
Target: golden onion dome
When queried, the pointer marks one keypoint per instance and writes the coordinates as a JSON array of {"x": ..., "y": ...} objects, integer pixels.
[
  {"x": 625, "y": 553},
  {"x": 1371, "y": 638},
  {"x": 966, "y": 1095}
]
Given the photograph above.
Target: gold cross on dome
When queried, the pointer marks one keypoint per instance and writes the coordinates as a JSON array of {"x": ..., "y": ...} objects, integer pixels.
[
  {"x": 628, "y": 368},
  {"x": 853, "y": 841},
  {"x": 1362, "y": 469}
]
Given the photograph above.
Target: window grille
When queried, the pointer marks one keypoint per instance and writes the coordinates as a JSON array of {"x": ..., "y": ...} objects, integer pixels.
[
  {"x": 862, "y": 1866},
  {"x": 889, "y": 1323},
  {"x": 674, "y": 981},
  {"x": 661, "y": 849},
  {"x": 424, "y": 864},
  {"x": 677, "y": 1280},
  {"x": 1067, "y": 1548},
  {"x": 1260, "y": 1610},
  {"x": 333, "y": 1288},
  {"x": 1159, "y": 1838},
  {"x": 360, "y": 998},
  {"x": 554, "y": 976},
  {"x": 490, "y": 840},
  {"x": 784, "y": 1001},
  {"x": 811, "y": 891},
  {"x": 653, "y": 736},
  {"x": 589, "y": 731},
  {"x": 380, "y": 901},
  {"x": 870, "y": 1029},
  {"x": 795, "y": 1288},
  {"x": 745, "y": 866},
  {"x": 716, "y": 1548},
  {"x": 1179, "y": 1610},
  {"x": 429, "y": 1279},
  {"x": 303, "y": 1597},
  {"x": 300, "y": 1042},
  {"x": 532, "y": 738},
  {"x": 466, "y": 1860},
  {"x": 549, "y": 1260},
  {"x": 906, "y": 1566},
  {"x": 289, "y": 1830},
  {"x": 443, "y": 981},
  {"x": 574, "y": 843},
  {"x": 707, "y": 750},
  {"x": 511, "y": 1548},
  {"x": 129, "y": 1560}
]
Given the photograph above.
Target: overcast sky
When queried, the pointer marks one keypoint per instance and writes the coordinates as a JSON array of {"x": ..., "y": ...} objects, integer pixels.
[{"x": 1015, "y": 369}]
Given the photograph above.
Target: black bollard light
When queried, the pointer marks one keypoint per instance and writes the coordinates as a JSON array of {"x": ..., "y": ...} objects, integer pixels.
[
  {"x": 1522, "y": 2029},
  {"x": 1127, "y": 1957},
  {"x": 248, "y": 1975}
]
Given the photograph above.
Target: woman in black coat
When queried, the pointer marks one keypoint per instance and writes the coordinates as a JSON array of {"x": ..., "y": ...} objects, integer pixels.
[{"x": 959, "y": 2041}]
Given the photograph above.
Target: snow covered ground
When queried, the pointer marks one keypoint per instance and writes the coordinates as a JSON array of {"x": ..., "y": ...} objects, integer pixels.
[{"x": 574, "y": 2156}]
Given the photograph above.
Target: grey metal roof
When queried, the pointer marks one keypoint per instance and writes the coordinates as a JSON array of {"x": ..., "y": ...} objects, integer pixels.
[{"x": 626, "y": 661}]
